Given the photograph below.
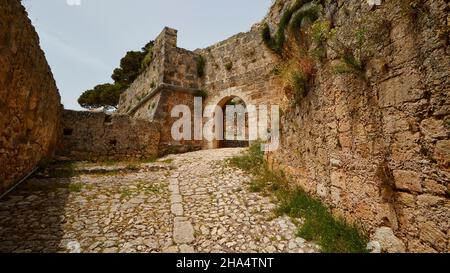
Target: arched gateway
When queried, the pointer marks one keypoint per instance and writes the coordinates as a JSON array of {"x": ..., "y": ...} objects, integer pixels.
[
  {"x": 236, "y": 72},
  {"x": 236, "y": 101}
]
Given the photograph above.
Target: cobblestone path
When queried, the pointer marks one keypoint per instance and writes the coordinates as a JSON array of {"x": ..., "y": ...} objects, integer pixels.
[{"x": 184, "y": 203}]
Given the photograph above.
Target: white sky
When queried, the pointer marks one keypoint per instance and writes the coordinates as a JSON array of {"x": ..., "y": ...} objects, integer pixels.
[{"x": 84, "y": 43}]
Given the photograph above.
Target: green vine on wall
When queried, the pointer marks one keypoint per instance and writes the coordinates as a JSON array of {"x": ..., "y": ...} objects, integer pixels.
[{"x": 293, "y": 17}]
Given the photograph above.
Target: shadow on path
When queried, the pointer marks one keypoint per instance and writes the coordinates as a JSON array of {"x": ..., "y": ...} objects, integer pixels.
[{"x": 31, "y": 217}]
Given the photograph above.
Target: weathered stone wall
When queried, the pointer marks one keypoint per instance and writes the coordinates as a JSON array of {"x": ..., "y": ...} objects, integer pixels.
[
  {"x": 170, "y": 99},
  {"x": 158, "y": 109},
  {"x": 378, "y": 151},
  {"x": 152, "y": 77},
  {"x": 29, "y": 101},
  {"x": 170, "y": 66},
  {"x": 241, "y": 66},
  {"x": 238, "y": 67},
  {"x": 97, "y": 136},
  {"x": 181, "y": 68}
]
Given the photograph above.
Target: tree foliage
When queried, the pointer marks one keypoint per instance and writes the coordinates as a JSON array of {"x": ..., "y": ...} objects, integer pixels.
[
  {"x": 103, "y": 95},
  {"x": 129, "y": 69},
  {"x": 131, "y": 66}
]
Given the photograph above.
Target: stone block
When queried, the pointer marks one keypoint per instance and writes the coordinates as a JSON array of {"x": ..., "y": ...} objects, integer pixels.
[
  {"x": 394, "y": 122},
  {"x": 322, "y": 190},
  {"x": 400, "y": 89},
  {"x": 336, "y": 196},
  {"x": 405, "y": 146},
  {"x": 416, "y": 246},
  {"x": 338, "y": 179},
  {"x": 408, "y": 180},
  {"x": 388, "y": 241},
  {"x": 431, "y": 186},
  {"x": 406, "y": 199},
  {"x": 428, "y": 200},
  {"x": 442, "y": 153},
  {"x": 183, "y": 232},
  {"x": 388, "y": 215},
  {"x": 431, "y": 234},
  {"x": 433, "y": 128},
  {"x": 346, "y": 141},
  {"x": 335, "y": 163},
  {"x": 177, "y": 209},
  {"x": 176, "y": 199}
]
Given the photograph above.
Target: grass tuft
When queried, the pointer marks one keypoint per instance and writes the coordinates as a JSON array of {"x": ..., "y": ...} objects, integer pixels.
[
  {"x": 334, "y": 235},
  {"x": 167, "y": 161},
  {"x": 250, "y": 161},
  {"x": 308, "y": 12},
  {"x": 75, "y": 187}
]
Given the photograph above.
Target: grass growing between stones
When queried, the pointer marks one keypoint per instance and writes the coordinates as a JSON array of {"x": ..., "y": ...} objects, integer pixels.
[
  {"x": 125, "y": 193},
  {"x": 332, "y": 234},
  {"x": 106, "y": 168},
  {"x": 75, "y": 187},
  {"x": 167, "y": 161},
  {"x": 142, "y": 187},
  {"x": 111, "y": 162}
]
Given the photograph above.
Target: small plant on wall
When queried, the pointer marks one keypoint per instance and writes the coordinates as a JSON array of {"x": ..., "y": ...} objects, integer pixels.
[
  {"x": 229, "y": 66},
  {"x": 201, "y": 62},
  {"x": 356, "y": 47},
  {"x": 296, "y": 75},
  {"x": 411, "y": 8},
  {"x": 354, "y": 57},
  {"x": 269, "y": 41},
  {"x": 353, "y": 48},
  {"x": 319, "y": 33},
  {"x": 297, "y": 68}
]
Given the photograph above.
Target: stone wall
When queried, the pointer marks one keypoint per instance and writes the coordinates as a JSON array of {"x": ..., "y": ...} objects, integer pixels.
[
  {"x": 98, "y": 136},
  {"x": 170, "y": 66},
  {"x": 238, "y": 67},
  {"x": 377, "y": 150},
  {"x": 241, "y": 66},
  {"x": 29, "y": 101},
  {"x": 171, "y": 79}
]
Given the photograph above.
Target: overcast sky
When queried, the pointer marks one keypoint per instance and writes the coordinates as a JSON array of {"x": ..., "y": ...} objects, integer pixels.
[{"x": 84, "y": 43}]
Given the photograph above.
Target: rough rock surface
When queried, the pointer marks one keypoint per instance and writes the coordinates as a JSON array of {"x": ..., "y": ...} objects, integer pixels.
[
  {"x": 387, "y": 241},
  {"x": 376, "y": 150},
  {"x": 372, "y": 144},
  {"x": 97, "y": 136},
  {"x": 29, "y": 101},
  {"x": 357, "y": 142}
]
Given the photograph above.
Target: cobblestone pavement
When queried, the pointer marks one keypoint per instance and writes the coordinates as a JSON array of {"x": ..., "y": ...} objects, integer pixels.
[{"x": 184, "y": 203}]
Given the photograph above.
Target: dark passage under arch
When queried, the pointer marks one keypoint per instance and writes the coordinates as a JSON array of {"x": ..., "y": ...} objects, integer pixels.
[{"x": 235, "y": 101}]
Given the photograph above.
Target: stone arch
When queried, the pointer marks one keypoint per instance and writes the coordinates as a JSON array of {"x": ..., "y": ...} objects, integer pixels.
[
  {"x": 222, "y": 99},
  {"x": 216, "y": 99}
]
